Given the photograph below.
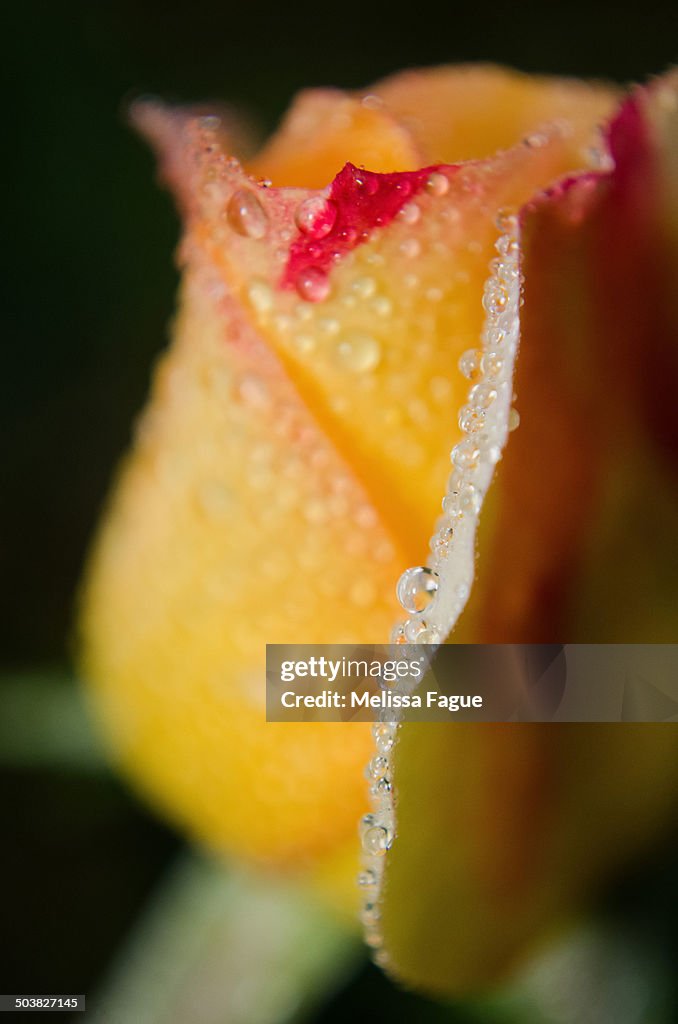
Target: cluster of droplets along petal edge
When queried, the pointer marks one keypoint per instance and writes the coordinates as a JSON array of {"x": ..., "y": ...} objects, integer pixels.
[{"x": 434, "y": 596}]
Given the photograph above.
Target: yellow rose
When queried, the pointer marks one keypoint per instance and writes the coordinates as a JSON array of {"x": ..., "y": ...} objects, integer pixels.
[{"x": 343, "y": 327}]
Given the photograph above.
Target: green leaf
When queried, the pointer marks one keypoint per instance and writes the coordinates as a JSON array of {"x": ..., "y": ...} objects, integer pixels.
[{"x": 221, "y": 945}]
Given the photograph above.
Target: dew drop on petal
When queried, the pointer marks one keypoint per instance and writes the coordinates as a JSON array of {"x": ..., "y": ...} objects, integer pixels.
[
  {"x": 466, "y": 454},
  {"x": 492, "y": 364},
  {"x": 384, "y": 737},
  {"x": 513, "y": 419},
  {"x": 313, "y": 284},
  {"x": 358, "y": 352},
  {"x": 376, "y": 841},
  {"x": 506, "y": 221},
  {"x": 417, "y": 587},
  {"x": 365, "y": 287},
  {"x": 261, "y": 296},
  {"x": 377, "y": 767},
  {"x": 316, "y": 216},
  {"x": 437, "y": 184},
  {"x": 246, "y": 215},
  {"x": 398, "y": 634},
  {"x": 410, "y": 247},
  {"x": 471, "y": 420},
  {"x": 418, "y": 631},
  {"x": 409, "y": 214},
  {"x": 469, "y": 363}
]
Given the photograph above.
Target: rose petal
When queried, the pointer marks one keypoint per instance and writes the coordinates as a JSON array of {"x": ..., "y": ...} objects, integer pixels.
[
  {"x": 505, "y": 831},
  {"x": 290, "y": 465},
  {"x": 466, "y": 112}
]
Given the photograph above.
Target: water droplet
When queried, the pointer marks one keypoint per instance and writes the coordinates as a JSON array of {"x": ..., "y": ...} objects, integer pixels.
[
  {"x": 358, "y": 352},
  {"x": 384, "y": 737},
  {"x": 506, "y": 245},
  {"x": 313, "y": 284},
  {"x": 482, "y": 395},
  {"x": 398, "y": 634},
  {"x": 437, "y": 184},
  {"x": 409, "y": 214},
  {"x": 260, "y": 296},
  {"x": 416, "y": 588},
  {"x": 370, "y": 915},
  {"x": 442, "y": 540},
  {"x": 365, "y": 287},
  {"x": 410, "y": 247},
  {"x": 492, "y": 363},
  {"x": 506, "y": 221},
  {"x": 377, "y": 768},
  {"x": 495, "y": 335},
  {"x": 367, "y": 878},
  {"x": 304, "y": 343},
  {"x": 418, "y": 631},
  {"x": 372, "y": 102},
  {"x": 328, "y": 325},
  {"x": 382, "y": 306},
  {"x": 246, "y": 215},
  {"x": 376, "y": 841},
  {"x": 513, "y": 419},
  {"x": 471, "y": 420},
  {"x": 466, "y": 454},
  {"x": 495, "y": 297},
  {"x": 381, "y": 790},
  {"x": 469, "y": 363},
  {"x": 316, "y": 216}
]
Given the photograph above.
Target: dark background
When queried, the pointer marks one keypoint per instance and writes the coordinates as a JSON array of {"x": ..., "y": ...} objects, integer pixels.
[{"x": 89, "y": 285}]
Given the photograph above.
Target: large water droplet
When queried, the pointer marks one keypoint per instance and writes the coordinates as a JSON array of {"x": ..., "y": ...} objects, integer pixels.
[
  {"x": 316, "y": 216},
  {"x": 246, "y": 215},
  {"x": 469, "y": 363},
  {"x": 437, "y": 184},
  {"x": 416, "y": 588},
  {"x": 466, "y": 454},
  {"x": 377, "y": 767},
  {"x": 376, "y": 841},
  {"x": 313, "y": 284}
]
